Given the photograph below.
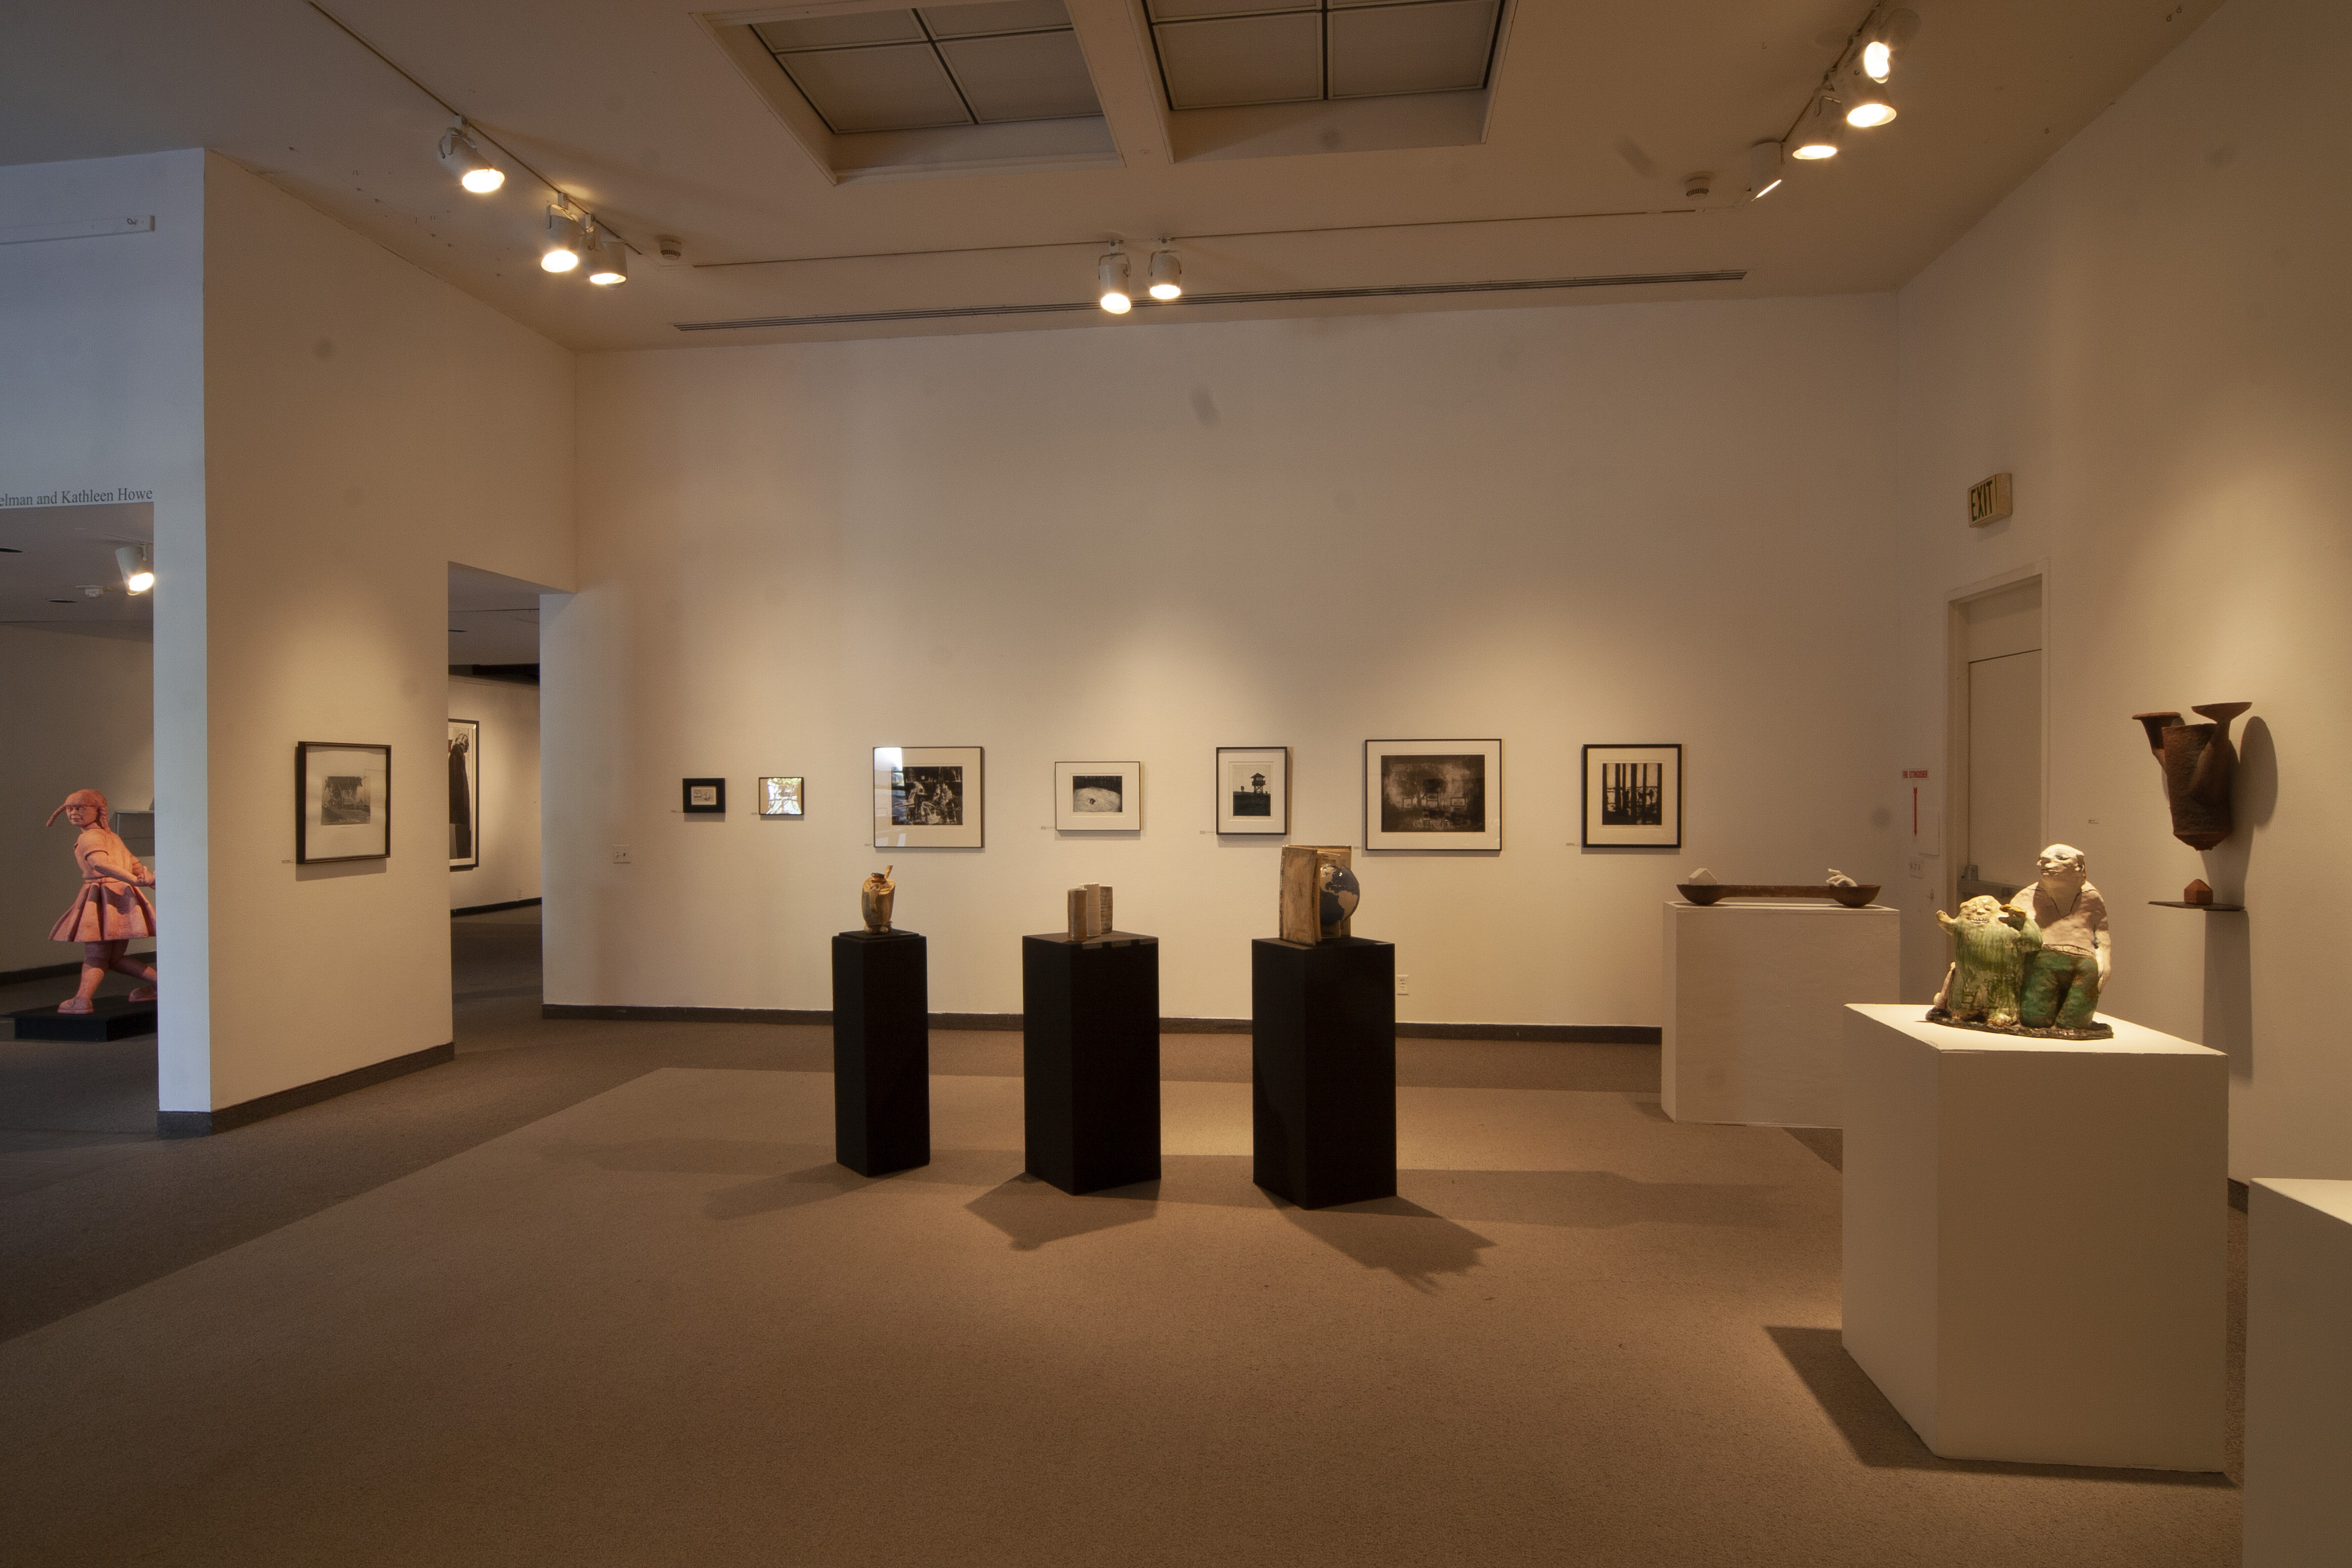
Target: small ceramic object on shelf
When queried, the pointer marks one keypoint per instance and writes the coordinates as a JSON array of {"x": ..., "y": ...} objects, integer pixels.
[
  {"x": 112, "y": 909},
  {"x": 2196, "y": 892},
  {"x": 2198, "y": 764},
  {"x": 874, "y": 899}
]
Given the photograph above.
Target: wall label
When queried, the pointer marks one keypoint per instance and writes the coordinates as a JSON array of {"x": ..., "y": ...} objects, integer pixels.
[{"x": 84, "y": 496}]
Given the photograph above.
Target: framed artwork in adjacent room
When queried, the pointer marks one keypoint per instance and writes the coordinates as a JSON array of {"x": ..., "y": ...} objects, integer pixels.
[
  {"x": 1097, "y": 797},
  {"x": 705, "y": 798},
  {"x": 928, "y": 798},
  {"x": 342, "y": 802},
  {"x": 783, "y": 796},
  {"x": 1434, "y": 794},
  {"x": 1634, "y": 796},
  {"x": 465, "y": 794},
  {"x": 1254, "y": 789}
]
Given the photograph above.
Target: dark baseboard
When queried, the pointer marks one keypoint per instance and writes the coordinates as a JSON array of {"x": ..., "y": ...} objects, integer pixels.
[
  {"x": 204, "y": 1123},
  {"x": 1573, "y": 1034},
  {"x": 493, "y": 909},
  {"x": 39, "y": 971}
]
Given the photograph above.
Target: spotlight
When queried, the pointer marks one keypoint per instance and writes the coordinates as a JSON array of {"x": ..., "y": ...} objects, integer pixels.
[
  {"x": 462, "y": 158},
  {"x": 1866, "y": 104},
  {"x": 1877, "y": 60},
  {"x": 611, "y": 264},
  {"x": 138, "y": 566},
  {"x": 1763, "y": 169},
  {"x": 1112, "y": 270},
  {"x": 1886, "y": 34},
  {"x": 1819, "y": 132},
  {"x": 1167, "y": 275},
  {"x": 561, "y": 251}
]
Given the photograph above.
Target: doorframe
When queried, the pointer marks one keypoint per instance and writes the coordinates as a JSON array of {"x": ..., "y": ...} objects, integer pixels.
[{"x": 1956, "y": 710}]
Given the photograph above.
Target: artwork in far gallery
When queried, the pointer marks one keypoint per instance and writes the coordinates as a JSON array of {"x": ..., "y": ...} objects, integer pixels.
[
  {"x": 2035, "y": 965},
  {"x": 1254, "y": 789},
  {"x": 1434, "y": 794},
  {"x": 465, "y": 794},
  {"x": 1634, "y": 796},
  {"x": 342, "y": 802},
  {"x": 928, "y": 798},
  {"x": 1097, "y": 797},
  {"x": 1089, "y": 912},
  {"x": 1319, "y": 892},
  {"x": 783, "y": 796},
  {"x": 705, "y": 798}
]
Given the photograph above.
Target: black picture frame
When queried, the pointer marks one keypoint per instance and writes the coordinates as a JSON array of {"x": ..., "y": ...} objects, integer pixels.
[
  {"x": 465, "y": 794},
  {"x": 325, "y": 802},
  {"x": 715, "y": 806},
  {"x": 1666, "y": 831}
]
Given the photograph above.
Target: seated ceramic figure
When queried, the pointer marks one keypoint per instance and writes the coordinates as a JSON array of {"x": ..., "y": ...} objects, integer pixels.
[
  {"x": 112, "y": 909},
  {"x": 1991, "y": 948},
  {"x": 2063, "y": 981}
]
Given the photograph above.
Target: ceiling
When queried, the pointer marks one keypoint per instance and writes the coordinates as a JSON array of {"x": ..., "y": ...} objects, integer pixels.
[
  {"x": 493, "y": 619},
  {"x": 51, "y": 556},
  {"x": 1571, "y": 165}
]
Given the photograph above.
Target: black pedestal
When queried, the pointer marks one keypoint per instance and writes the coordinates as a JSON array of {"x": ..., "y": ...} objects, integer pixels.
[
  {"x": 1091, "y": 1059},
  {"x": 881, "y": 1052},
  {"x": 110, "y": 1018},
  {"x": 1323, "y": 1070}
]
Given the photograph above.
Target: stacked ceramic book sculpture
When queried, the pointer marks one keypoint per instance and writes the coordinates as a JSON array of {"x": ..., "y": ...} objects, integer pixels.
[{"x": 1089, "y": 912}]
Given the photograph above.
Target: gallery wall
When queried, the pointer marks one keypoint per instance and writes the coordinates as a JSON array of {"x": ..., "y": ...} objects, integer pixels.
[
  {"x": 365, "y": 424},
  {"x": 507, "y": 773},
  {"x": 78, "y": 713},
  {"x": 1597, "y": 524},
  {"x": 2153, "y": 335}
]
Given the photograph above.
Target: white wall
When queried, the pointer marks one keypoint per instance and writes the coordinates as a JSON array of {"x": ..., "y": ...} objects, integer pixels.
[
  {"x": 508, "y": 712},
  {"x": 364, "y": 423},
  {"x": 1557, "y": 526},
  {"x": 75, "y": 712},
  {"x": 2154, "y": 333}
]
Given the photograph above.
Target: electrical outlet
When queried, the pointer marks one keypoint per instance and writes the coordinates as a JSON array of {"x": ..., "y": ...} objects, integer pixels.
[
  {"x": 1404, "y": 984},
  {"x": 620, "y": 854}
]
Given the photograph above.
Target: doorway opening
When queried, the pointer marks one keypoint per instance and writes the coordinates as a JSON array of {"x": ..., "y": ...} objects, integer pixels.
[
  {"x": 493, "y": 792},
  {"x": 1994, "y": 822}
]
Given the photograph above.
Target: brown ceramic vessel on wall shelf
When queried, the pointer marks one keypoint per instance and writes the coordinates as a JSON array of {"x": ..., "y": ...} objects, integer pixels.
[{"x": 2198, "y": 764}]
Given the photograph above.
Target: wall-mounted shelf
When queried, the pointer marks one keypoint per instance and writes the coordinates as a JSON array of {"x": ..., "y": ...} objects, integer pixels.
[{"x": 2208, "y": 908}]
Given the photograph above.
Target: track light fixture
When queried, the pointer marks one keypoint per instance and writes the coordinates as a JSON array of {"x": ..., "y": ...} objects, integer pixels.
[
  {"x": 1763, "y": 169},
  {"x": 1866, "y": 101},
  {"x": 561, "y": 251},
  {"x": 1882, "y": 36},
  {"x": 1167, "y": 274},
  {"x": 137, "y": 565},
  {"x": 1819, "y": 132},
  {"x": 461, "y": 157},
  {"x": 1112, "y": 272},
  {"x": 609, "y": 263}
]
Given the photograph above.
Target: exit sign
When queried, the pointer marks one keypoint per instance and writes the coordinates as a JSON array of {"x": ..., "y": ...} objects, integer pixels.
[{"x": 1988, "y": 502}]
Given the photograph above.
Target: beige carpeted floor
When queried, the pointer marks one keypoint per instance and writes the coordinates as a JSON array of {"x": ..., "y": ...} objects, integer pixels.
[{"x": 660, "y": 1326}]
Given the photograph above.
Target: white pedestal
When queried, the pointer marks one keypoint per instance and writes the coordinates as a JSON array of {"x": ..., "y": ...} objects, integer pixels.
[
  {"x": 2299, "y": 1374},
  {"x": 1755, "y": 995},
  {"x": 2036, "y": 1234}
]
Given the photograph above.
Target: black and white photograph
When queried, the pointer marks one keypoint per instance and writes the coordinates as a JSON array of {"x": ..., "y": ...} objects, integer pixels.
[
  {"x": 465, "y": 794},
  {"x": 342, "y": 802},
  {"x": 927, "y": 796},
  {"x": 783, "y": 796},
  {"x": 1097, "y": 797},
  {"x": 1434, "y": 794},
  {"x": 1634, "y": 796},
  {"x": 1254, "y": 790},
  {"x": 705, "y": 798}
]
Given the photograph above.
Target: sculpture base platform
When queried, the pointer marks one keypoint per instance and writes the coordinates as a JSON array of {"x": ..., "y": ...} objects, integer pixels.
[
  {"x": 110, "y": 1018},
  {"x": 2036, "y": 1239},
  {"x": 881, "y": 1052},
  {"x": 2298, "y": 1373},
  {"x": 1323, "y": 1070},
  {"x": 1091, "y": 1059}
]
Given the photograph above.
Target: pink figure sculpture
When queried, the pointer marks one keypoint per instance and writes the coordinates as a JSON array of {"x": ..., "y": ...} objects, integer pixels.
[{"x": 111, "y": 909}]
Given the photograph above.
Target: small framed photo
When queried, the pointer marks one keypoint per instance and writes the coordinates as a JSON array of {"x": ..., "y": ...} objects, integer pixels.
[
  {"x": 1434, "y": 794},
  {"x": 1097, "y": 797},
  {"x": 465, "y": 794},
  {"x": 342, "y": 802},
  {"x": 705, "y": 798},
  {"x": 928, "y": 798},
  {"x": 783, "y": 796},
  {"x": 1254, "y": 790},
  {"x": 1634, "y": 796}
]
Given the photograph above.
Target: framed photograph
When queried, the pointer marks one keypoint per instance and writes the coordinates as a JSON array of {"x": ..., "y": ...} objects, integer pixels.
[
  {"x": 1634, "y": 796},
  {"x": 782, "y": 796},
  {"x": 705, "y": 798},
  {"x": 1254, "y": 789},
  {"x": 1434, "y": 794},
  {"x": 1097, "y": 797},
  {"x": 465, "y": 794},
  {"x": 342, "y": 802},
  {"x": 928, "y": 798}
]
